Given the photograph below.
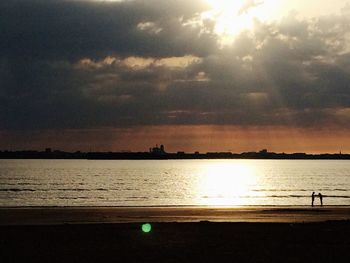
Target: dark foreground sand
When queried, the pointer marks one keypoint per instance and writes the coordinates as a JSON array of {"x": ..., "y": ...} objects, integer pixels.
[{"x": 114, "y": 235}]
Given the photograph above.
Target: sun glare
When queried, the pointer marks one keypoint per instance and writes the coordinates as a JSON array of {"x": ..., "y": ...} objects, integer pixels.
[
  {"x": 226, "y": 4},
  {"x": 234, "y": 16},
  {"x": 226, "y": 183}
]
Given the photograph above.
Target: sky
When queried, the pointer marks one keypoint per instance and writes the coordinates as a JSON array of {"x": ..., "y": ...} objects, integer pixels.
[{"x": 199, "y": 75}]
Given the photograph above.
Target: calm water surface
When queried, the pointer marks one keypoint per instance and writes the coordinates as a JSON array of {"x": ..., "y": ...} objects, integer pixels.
[{"x": 172, "y": 182}]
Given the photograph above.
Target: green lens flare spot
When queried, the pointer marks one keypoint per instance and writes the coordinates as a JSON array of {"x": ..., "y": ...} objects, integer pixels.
[{"x": 146, "y": 228}]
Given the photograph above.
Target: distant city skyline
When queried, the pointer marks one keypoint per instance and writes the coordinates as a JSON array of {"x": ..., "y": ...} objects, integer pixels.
[
  {"x": 159, "y": 153},
  {"x": 278, "y": 142}
]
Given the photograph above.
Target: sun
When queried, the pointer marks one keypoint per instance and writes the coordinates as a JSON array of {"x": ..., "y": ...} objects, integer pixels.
[
  {"x": 234, "y": 16},
  {"x": 225, "y": 4}
]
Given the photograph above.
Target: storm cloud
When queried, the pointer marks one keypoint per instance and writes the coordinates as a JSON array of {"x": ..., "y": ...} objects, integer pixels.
[{"x": 87, "y": 64}]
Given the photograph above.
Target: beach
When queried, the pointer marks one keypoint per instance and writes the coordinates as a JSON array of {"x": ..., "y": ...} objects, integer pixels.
[
  {"x": 182, "y": 234},
  {"x": 97, "y": 215}
]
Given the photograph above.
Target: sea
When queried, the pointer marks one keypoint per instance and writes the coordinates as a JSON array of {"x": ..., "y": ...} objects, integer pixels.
[{"x": 213, "y": 183}]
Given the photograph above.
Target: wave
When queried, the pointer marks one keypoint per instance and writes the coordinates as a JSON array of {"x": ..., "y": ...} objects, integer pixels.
[
  {"x": 306, "y": 196},
  {"x": 17, "y": 190},
  {"x": 272, "y": 196},
  {"x": 300, "y": 190},
  {"x": 52, "y": 190},
  {"x": 278, "y": 196}
]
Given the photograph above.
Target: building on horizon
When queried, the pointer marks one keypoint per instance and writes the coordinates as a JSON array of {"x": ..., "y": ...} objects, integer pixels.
[{"x": 157, "y": 150}]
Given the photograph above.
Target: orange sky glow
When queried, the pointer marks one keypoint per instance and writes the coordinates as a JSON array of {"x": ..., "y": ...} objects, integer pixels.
[{"x": 185, "y": 138}]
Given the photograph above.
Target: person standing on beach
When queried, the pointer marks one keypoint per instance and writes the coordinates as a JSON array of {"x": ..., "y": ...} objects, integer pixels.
[
  {"x": 321, "y": 198},
  {"x": 312, "y": 198}
]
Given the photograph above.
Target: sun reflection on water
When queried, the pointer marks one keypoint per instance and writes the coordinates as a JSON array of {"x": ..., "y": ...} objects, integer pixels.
[{"x": 226, "y": 183}]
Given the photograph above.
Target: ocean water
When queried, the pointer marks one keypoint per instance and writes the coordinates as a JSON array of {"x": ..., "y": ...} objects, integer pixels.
[{"x": 173, "y": 182}]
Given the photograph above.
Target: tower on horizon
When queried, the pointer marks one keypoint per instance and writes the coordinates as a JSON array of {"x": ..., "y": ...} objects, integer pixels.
[{"x": 158, "y": 150}]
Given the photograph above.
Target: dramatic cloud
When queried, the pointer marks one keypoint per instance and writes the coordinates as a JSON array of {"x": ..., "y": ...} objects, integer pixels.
[
  {"x": 74, "y": 29},
  {"x": 97, "y": 64},
  {"x": 248, "y": 5}
]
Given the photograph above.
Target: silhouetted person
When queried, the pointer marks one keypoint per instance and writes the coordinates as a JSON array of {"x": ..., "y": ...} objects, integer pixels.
[
  {"x": 312, "y": 198},
  {"x": 321, "y": 198}
]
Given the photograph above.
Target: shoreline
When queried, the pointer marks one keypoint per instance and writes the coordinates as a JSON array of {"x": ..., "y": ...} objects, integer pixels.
[{"x": 112, "y": 215}]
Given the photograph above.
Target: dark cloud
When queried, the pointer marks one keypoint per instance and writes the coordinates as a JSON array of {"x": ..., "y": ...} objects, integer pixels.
[
  {"x": 73, "y": 29},
  {"x": 79, "y": 64}
]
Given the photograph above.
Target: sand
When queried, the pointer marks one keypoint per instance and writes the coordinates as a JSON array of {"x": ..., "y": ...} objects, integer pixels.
[
  {"x": 186, "y": 234},
  {"x": 71, "y": 215}
]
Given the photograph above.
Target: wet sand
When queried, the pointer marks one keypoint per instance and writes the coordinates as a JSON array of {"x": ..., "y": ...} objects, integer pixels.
[
  {"x": 260, "y": 234},
  {"x": 83, "y": 215}
]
